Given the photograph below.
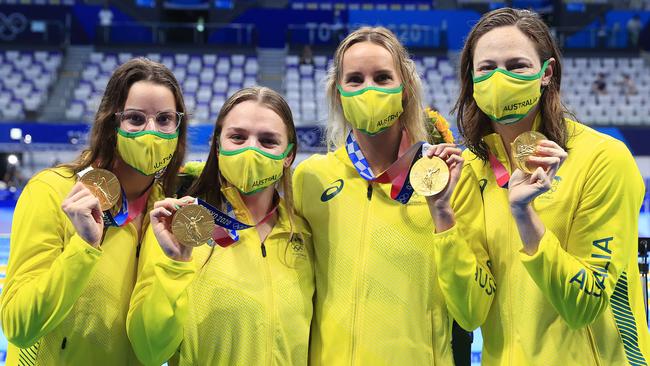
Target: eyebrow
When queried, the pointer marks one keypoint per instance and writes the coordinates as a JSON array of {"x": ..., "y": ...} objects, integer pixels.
[
  {"x": 508, "y": 62},
  {"x": 383, "y": 71},
  {"x": 380, "y": 71},
  {"x": 266, "y": 134},
  {"x": 143, "y": 111}
]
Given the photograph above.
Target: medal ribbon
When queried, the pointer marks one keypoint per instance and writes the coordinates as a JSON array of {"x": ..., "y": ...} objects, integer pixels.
[
  {"x": 397, "y": 174},
  {"x": 227, "y": 225},
  {"x": 500, "y": 172},
  {"x": 119, "y": 219},
  {"x": 137, "y": 206}
]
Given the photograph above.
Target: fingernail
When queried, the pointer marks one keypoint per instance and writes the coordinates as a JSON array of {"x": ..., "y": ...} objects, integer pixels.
[{"x": 176, "y": 206}]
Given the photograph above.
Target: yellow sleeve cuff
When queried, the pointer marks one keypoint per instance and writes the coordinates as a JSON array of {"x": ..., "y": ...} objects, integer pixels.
[
  {"x": 176, "y": 268},
  {"x": 446, "y": 237},
  {"x": 548, "y": 242},
  {"x": 80, "y": 246}
]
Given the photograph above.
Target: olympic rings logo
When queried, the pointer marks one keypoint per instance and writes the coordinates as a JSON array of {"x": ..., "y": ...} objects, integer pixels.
[{"x": 12, "y": 25}]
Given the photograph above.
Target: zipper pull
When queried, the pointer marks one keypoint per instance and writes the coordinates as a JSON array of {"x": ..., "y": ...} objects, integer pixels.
[
  {"x": 369, "y": 195},
  {"x": 263, "y": 250}
]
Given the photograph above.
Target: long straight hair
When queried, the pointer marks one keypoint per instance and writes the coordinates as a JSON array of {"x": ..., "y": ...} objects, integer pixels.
[
  {"x": 208, "y": 184},
  {"x": 412, "y": 119},
  {"x": 473, "y": 124},
  {"x": 102, "y": 149}
]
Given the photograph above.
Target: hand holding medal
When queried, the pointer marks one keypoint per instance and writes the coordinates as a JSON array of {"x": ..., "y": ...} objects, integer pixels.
[
  {"x": 193, "y": 225},
  {"x": 104, "y": 185},
  {"x": 97, "y": 190},
  {"x": 436, "y": 174},
  {"x": 431, "y": 175},
  {"x": 537, "y": 160},
  {"x": 179, "y": 226},
  {"x": 523, "y": 148}
]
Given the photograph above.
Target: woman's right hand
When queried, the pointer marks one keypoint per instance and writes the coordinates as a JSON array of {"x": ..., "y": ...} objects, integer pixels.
[
  {"x": 85, "y": 213},
  {"x": 161, "y": 223},
  {"x": 440, "y": 204}
]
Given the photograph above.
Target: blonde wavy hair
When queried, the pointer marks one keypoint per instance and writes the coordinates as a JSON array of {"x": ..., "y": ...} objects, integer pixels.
[{"x": 412, "y": 119}]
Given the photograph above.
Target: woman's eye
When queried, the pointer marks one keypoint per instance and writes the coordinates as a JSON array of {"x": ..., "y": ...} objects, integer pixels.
[
  {"x": 269, "y": 142},
  {"x": 355, "y": 80},
  {"x": 383, "y": 78}
]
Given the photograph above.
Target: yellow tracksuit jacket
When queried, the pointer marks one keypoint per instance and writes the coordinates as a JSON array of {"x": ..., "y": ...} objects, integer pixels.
[
  {"x": 578, "y": 300},
  {"x": 229, "y": 306},
  {"x": 387, "y": 286},
  {"x": 65, "y": 302}
]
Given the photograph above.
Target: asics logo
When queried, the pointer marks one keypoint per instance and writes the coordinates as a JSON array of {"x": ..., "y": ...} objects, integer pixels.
[{"x": 332, "y": 191}]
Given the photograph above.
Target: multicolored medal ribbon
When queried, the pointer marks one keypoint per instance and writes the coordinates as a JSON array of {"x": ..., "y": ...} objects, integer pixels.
[
  {"x": 397, "y": 174},
  {"x": 226, "y": 224}
]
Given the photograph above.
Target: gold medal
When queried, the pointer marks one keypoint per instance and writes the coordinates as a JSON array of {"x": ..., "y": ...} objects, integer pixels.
[
  {"x": 103, "y": 185},
  {"x": 192, "y": 225},
  {"x": 524, "y": 146},
  {"x": 429, "y": 176}
]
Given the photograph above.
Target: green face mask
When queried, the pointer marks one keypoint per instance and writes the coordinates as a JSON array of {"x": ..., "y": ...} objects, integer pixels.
[
  {"x": 146, "y": 151},
  {"x": 251, "y": 169},
  {"x": 506, "y": 97},
  {"x": 372, "y": 110}
]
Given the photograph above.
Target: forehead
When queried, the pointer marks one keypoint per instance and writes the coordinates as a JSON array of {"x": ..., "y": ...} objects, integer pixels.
[
  {"x": 504, "y": 43},
  {"x": 150, "y": 93},
  {"x": 251, "y": 114},
  {"x": 367, "y": 56}
]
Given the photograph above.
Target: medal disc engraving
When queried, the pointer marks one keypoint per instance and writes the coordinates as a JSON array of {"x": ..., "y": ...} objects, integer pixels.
[
  {"x": 192, "y": 225},
  {"x": 429, "y": 176},
  {"x": 524, "y": 146},
  {"x": 104, "y": 185}
]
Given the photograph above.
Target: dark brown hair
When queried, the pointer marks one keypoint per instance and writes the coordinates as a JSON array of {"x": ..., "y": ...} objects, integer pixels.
[
  {"x": 208, "y": 184},
  {"x": 102, "y": 149},
  {"x": 473, "y": 124}
]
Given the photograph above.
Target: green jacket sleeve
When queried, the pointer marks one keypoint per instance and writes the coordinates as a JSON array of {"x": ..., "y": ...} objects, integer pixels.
[
  {"x": 46, "y": 272},
  {"x": 578, "y": 276},
  {"x": 159, "y": 304},
  {"x": 462, "y": 259}
]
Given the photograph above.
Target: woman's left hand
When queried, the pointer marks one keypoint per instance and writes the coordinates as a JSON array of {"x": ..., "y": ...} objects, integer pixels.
[{"x": 523, "y": 188}]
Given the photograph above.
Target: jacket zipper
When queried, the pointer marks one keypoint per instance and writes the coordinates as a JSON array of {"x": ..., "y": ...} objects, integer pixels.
[
  {"x": 268, "y": 285},
  {"x": 509, "y": 289},
  {"x": 592, "y": 342},
  {"x": 360, "y": 272}
]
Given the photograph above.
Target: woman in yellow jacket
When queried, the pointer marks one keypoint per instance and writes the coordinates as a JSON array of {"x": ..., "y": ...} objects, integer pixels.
[
  {"x": 386, "y": 292},
  {"x": 245, "y": 300},
  {"x": 563, "y": 238},
  {"x": 71, "y": 267}
]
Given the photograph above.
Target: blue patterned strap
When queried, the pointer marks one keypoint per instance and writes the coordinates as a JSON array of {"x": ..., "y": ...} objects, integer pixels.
[{"x": 397, "y": 174}]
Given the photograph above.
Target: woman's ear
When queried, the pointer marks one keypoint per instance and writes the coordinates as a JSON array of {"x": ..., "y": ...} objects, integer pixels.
[
  {"x": 290, "y": 158},
  {"x": 548, "y": 73}
]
